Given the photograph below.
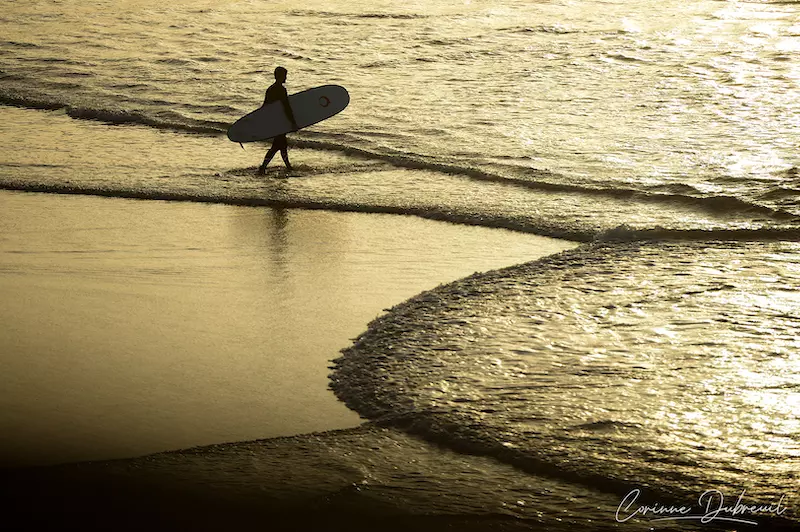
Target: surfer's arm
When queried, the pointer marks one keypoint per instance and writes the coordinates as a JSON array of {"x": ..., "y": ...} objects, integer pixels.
[{"x": 288, "y": 109}]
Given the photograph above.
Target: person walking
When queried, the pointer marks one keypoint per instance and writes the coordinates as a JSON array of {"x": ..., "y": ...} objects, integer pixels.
[{"x": 277, "y": 93}]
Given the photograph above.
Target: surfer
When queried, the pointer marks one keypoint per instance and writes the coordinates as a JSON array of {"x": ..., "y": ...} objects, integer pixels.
[{"x": 277, "y": 92}]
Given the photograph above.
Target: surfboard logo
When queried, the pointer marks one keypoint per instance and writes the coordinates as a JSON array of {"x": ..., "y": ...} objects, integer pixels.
[{"x": 324, "y": 101}]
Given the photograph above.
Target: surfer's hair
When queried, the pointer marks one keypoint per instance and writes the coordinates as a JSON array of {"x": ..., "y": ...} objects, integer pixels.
[{"x": 280, "y": 71}]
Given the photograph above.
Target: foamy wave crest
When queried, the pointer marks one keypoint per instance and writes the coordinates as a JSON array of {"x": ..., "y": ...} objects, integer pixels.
[
  {"x": 443, "y": 213},
  {"x": 169, "y": 121},
  {"x": 544, "y": 180}
]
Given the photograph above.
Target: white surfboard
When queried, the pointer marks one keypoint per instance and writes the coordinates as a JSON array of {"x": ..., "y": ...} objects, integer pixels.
[{"x": 309, "y": 107}]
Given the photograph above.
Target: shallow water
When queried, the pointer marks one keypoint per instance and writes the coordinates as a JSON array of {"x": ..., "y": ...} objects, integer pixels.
[
  {"x": 139, "y": 162},
  {"x": 657, "y": 97},
  {"x": 676, "y": 372}
]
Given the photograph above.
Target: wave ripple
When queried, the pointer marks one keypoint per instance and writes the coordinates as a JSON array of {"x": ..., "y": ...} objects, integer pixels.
[{"x": 667, "y": 363}]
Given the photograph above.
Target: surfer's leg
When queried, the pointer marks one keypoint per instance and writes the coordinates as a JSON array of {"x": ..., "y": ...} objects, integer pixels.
[
  {"x": 267, "y": 158},
  {"x": 285, "y": 155},
  {"x": 283, "y": 145}
]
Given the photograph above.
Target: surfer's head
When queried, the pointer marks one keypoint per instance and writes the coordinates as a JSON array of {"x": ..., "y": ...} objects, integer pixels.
[{"x": 280, "y": 74}]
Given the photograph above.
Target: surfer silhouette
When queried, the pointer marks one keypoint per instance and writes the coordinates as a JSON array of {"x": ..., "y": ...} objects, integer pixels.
[{"x": 277, "y": 92}]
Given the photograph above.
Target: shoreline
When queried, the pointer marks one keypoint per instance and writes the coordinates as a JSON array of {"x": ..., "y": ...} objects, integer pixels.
[
  {"x": 176, "y": 325},
  {"x": 217, "y": 485},
  {"x": 255, "y": 482}
]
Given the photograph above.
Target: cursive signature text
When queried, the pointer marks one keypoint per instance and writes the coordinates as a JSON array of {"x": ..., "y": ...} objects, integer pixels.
[{"x": 712, "y": 506}]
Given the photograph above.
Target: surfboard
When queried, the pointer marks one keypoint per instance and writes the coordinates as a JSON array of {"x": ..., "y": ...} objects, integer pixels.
[{"x": 309, "y": 107}]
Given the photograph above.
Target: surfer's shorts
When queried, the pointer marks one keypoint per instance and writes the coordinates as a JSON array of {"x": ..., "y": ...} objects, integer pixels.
[{"x": 280, "y": 142}]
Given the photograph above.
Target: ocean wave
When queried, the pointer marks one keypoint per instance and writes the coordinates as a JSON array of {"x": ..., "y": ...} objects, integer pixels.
[
  {"x": 443, "y": 213},
  {"x": 544, "y": 180},
  {"x": 176, "y": 61},
  {"x": 292, "y": 55},
  {"x": 334, "y": 14},
  {"x": 624, "y": 233},
  {"x": 362, "y": 479},
  {"x": 531, "y": 178},
  {"x": 627, "y": 58},
  {"x": 397, "y": 16},
  {"x": 543, "y": 227},
  {"x": 441, "y": 365},
  {"x": 120, "y": 116},
  {"x": 21, "y": 44},
  {"x": 379, "y": 64},
  {"x": 556, "y": 29}
]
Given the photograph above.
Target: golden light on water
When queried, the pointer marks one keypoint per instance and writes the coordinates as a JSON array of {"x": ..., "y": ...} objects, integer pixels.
[{"x": 667, "y": 361}]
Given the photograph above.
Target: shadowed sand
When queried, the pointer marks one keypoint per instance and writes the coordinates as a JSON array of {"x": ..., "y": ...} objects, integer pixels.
[{"x": 327, "y": 481}]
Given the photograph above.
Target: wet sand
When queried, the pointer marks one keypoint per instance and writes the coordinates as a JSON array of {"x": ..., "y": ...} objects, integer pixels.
[{"x": 133, "y": 327}]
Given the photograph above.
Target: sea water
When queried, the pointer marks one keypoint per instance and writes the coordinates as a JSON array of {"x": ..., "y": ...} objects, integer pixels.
[{"x": 629, "y": 362}]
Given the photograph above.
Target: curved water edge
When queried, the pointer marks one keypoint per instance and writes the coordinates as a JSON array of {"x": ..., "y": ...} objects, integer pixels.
[{"x": 596, "y": 366}]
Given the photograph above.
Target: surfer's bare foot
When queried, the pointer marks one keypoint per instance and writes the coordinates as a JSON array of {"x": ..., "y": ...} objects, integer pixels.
[{"x": 262, "y": 170}]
